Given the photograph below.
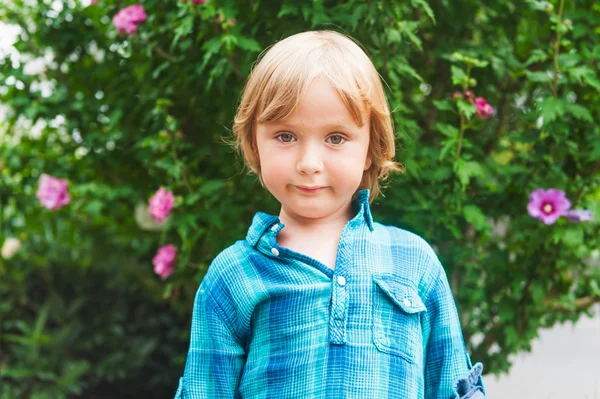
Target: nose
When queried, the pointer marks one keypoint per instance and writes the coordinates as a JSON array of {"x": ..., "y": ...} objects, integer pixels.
[{"x": 310, "y": 161}]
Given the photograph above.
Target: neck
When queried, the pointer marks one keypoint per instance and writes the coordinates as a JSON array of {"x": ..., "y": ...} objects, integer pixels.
[{"x": 297, "y": 224}]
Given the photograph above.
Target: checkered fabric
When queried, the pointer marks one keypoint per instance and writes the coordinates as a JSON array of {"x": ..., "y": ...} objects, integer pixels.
[{"x": 272, "y": 323}]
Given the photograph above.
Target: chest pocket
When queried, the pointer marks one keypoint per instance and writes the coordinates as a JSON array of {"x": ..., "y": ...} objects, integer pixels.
[{"x": 397, "y": 311}]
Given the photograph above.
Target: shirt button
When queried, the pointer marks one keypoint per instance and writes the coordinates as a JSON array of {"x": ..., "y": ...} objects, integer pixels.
[
  {"x": 341, "y": 281},
  {"x": 274, "y": 251},
  {"x": 407, "y": 302}
]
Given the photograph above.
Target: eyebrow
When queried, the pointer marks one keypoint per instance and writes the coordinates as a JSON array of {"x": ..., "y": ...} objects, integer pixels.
[{"x": 331, "y": 126}]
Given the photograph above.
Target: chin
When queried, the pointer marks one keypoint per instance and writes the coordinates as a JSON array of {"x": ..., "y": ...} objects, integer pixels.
[{"x": 308, "y": 210}]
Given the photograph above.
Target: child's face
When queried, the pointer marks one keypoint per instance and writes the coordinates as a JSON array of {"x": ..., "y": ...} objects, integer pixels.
[{"x": 319, "y": 145}]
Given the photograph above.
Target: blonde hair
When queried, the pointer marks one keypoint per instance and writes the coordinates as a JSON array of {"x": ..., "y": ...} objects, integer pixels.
[{"x": 280, "y": 78}]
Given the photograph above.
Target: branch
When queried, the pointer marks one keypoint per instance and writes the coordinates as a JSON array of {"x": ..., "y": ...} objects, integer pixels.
[{"x": 580, "y": 304}]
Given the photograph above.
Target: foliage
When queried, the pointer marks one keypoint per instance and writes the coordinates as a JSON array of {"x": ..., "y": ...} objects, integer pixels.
[{"x": 82, "y": 312}]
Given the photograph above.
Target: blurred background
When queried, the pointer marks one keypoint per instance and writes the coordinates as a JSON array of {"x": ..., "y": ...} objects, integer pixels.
[{"x": 117, "y": 186}]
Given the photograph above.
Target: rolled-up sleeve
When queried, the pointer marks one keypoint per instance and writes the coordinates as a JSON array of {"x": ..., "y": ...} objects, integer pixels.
[
  {"x": 448, "y": 365},
  {"x": 216, "y": 356}
]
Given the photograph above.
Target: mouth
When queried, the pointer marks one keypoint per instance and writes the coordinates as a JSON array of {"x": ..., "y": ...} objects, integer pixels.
[{"x": 309, "y": 190}]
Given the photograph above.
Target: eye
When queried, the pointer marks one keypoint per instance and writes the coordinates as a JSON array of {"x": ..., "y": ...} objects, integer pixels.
[
  {"x": 336, "y": 139},
  {"x": 285, "y": 137}
]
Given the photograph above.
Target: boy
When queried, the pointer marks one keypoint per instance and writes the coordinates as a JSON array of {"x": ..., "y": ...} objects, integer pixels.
[{"x": 321, "y": 301}]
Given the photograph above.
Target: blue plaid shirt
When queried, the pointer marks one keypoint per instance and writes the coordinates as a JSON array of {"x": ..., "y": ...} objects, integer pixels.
[{"x": 269, "y": 322}]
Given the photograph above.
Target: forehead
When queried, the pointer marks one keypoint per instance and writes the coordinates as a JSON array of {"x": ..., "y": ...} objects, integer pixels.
[{"x": 296, "y": 71}]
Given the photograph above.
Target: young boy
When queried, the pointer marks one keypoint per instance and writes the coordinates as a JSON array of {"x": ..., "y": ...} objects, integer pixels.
[{"x": 321, "y": 301}]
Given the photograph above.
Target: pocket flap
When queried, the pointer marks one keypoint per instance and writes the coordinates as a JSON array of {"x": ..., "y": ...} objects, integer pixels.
[{"x": 400, "y": 292}]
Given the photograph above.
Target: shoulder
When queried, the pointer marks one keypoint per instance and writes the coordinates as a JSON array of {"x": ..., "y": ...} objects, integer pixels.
[
  {"x": 412, "y": 255},
  {"x": 397, "y": 237},
  {"x": 228, "y": 265}
]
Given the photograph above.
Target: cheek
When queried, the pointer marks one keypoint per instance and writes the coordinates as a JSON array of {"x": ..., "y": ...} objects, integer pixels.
[{"x": 273, "y": 167}]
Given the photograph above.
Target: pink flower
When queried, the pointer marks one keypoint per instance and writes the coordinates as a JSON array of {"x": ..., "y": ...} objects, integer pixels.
[
  {"x": 160, "y": 204},
  {"x": 129, "y": 18},
  {"x": 94, "y": 2},
  {"x": 548, "y": 205},
  {"x": 164, "y": 261},
  {"x": 231, "y": 21},
  {"x": 220, "y": 17},
  {"x": 199, "y": 1},
  {"x": 52, "y": 192},
  {"x": 483, "y": 108}
]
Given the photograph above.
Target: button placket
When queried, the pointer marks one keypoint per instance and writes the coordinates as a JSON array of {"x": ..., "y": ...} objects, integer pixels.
[{"x": 338, "y": 319}]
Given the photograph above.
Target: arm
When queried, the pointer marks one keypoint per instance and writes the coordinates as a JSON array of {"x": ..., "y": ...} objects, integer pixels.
[
  {"x": 448, "y": 369},
  {"x": 216, "y": 356}
]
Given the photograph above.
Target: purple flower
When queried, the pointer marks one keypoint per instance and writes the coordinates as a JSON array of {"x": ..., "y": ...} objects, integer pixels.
[
  {"x": 128, "y": 19},
  {"x": 164, "y": 261},
  {"x": 548, "y": 205},
  {"x": 160, "y": 204},
  {"x": 579, "y": 215},
  {"x": 52, "y": 192}
]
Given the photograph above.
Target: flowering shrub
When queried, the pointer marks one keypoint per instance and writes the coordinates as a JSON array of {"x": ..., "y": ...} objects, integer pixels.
[
  {"x": 160, "y": 204},
  {"x": 129, "y": 18},
  {"x": 164, "y": 261},
  {"x": 490, "y": 105},
  {"x": 52, "y": 192}
]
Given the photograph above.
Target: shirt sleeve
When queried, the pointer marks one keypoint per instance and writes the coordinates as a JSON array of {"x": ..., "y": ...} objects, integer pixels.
[
  {"x": 448, "y": 366},
  {"x": 216, "y": 356}
]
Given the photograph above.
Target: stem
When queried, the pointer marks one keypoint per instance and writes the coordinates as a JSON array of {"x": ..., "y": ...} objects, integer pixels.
[
  {"x": 176, "y": 157},
  {"x": 164, "y": 54},
  {"x": 234, "y": 66},
  {"x": 557, "y": 50},
  {"x": 460, "y": 137}
]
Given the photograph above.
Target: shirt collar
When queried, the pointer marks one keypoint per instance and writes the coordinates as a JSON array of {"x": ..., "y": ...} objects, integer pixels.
[{"x": 263, "y": 221}]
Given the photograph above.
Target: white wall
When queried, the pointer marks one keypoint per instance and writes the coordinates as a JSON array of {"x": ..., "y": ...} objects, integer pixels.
[{"x": 564, "y": 363}]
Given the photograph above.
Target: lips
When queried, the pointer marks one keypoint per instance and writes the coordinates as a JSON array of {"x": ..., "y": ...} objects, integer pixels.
[{"x": 309, "y": 189}]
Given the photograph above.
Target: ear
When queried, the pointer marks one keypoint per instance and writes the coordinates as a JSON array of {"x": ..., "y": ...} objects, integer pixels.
[{"x": 368, "y": 162}]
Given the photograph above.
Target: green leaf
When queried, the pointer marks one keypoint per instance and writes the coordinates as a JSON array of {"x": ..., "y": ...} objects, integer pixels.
[
  {"x": 539, "y": 77},
  {"x": 408, "y": 28},
  {"x": 447, "y": 130},
  {"x": 572, "y": 237},
  {"x": 552, "y": 108},
  {"x": 537, "y": 55},
  {"x": 443, "y": 105},
  {"x": 474, "y": 215},
  {"x": 579, "y": 112},
  {"x": 210, "y": 187},
  {"x": 458, "y": 75},
  {"x": 249, "y": 44},
  {"x": 184, "y": 27},
  {"x": 425, "y": 6},
  {"x": 466, "y": 108},
  {"x": 465, "y": 170},
  {"x": 447, "y": 146},
  {"x": 585, "y": 75},
  {"x": 405, "y": 69},
  {"x": 288, "y": 9},
  {"x": 441, "y": 173}
]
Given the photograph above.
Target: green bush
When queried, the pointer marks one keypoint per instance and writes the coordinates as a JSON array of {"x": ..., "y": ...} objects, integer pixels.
[{"x": 82, "y": 312}]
